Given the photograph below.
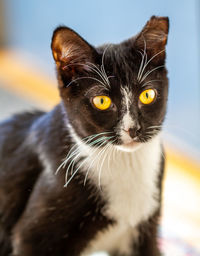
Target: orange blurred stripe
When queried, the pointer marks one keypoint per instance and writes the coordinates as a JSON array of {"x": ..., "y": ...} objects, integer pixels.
[{"x": 26, "y": 82}]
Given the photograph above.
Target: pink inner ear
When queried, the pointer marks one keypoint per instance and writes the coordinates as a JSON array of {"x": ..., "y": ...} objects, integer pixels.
[
  {"x": 74, "y": 57},
  {"x": 71, "y": 52}
]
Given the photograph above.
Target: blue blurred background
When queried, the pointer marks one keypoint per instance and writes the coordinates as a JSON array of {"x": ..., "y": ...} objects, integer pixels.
[
  {"x": 29, "y": 26},
  {"x": 26, "y": 28}
]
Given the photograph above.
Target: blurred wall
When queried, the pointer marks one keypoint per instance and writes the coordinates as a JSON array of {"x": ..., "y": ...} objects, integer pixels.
[{"x": 3, "y": 33}]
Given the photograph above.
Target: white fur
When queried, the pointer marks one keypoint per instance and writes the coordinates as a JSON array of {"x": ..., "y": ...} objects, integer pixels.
[
  {"x": 127, "y": 121},
  {"x": 127, "y": 181}
]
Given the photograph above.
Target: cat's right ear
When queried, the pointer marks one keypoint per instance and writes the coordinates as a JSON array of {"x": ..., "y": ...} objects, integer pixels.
[
  {"x": 153, "y": 38},
  {"x": 71, "y": 52}
]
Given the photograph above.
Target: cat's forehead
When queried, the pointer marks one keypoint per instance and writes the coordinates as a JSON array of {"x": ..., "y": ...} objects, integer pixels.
[
  {"x": 116, "y": 56},
  {"x": 129, "y": 67},
  {"x": 120, "y": 64}
]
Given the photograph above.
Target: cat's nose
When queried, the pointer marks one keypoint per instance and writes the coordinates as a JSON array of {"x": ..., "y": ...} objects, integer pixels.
[{"x": 133, "y": 132}]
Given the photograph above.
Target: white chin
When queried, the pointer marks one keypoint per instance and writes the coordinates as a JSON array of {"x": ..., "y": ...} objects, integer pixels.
[{"x": 129, "y": 147}]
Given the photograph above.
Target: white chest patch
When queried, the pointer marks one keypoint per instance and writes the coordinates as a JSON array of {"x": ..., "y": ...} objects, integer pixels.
[{"x": 127, "y": 182}]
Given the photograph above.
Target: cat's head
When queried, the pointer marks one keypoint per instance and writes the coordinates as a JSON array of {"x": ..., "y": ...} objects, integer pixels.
[{"x": 115, "y": 93}]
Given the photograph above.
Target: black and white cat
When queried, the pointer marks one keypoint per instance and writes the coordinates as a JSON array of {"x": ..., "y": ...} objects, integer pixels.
[{"x": 87, "y": 176}]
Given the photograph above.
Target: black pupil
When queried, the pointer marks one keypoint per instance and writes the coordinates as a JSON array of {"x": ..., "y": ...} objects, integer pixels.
[
  {"x": 147, "y": 95},
  {"x": 102, "y": 100}
]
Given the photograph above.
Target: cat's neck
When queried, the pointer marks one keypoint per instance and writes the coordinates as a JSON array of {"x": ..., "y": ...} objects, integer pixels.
[{"x": 130, "y": 178}]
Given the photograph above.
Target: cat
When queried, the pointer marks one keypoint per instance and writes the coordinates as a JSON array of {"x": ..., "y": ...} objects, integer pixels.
[{"x": 87, "y": 176}]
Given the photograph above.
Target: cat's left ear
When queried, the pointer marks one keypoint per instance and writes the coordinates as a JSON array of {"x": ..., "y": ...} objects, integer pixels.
[
  {"x": 70, "y": 51},
  {"x": 153, "y": 38}
]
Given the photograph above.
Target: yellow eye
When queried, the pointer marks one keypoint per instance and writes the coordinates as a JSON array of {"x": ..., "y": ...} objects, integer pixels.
[
  {"x": 147, "y": 96},
  {"x": 102, "y": 102}
]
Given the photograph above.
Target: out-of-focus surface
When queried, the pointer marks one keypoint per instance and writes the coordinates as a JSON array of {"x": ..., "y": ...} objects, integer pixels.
[
  {"x": 180, "y": 224},
  {"x": 27, "y": 81}
]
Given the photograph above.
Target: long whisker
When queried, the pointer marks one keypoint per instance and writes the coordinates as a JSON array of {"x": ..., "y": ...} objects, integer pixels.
[
  {"x": 149, "y": 82},
  {"x": 141, "y": 64},
  {"x": 71, "y": 165},
  {"x": 152, "y": 132},
  {"x": 74, "y": 173},
  {"x": 150, "y": 71},
  {"x": 98, "y": 71},
  {"x": 102, "y": 66},
  {"x": 148, "y": 137},
  {"x": 89, "y": 142},
  {"x": 109, "y": 155},
  {"x": 146, "y": 64},
  {"x": 92, "y": 162},
  {"x": 103, "y": 160},
  {"x": 144, "y": 60},
  {"x": 86, "y": 77},
  {"x": 75, "y": 149},
  {"x": 154, "y": 126},
  {"x": 92, "y": 67},
  {"x": 95, "y": 69},
  {"x": 96, "y": 142}
]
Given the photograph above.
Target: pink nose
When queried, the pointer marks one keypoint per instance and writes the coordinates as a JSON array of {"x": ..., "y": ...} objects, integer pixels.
[{"x": 133, "y": 132}]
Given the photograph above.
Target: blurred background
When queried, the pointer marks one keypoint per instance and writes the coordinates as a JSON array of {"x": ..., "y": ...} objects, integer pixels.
[{"x": 27, "y": 81}]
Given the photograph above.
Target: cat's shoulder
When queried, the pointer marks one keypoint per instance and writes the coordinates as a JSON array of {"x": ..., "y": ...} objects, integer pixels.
[
  {"x": 13, "y": 131},
  {"x": 19, "y": 121}
]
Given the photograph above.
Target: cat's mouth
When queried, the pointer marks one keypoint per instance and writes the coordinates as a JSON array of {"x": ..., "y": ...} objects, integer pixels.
[
  {"x": 128, "y": 143},
  {"x": 130, "y": 146}
]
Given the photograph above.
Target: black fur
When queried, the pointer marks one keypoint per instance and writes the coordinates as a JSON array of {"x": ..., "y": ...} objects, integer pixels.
[{"x": 38, "y": 215}]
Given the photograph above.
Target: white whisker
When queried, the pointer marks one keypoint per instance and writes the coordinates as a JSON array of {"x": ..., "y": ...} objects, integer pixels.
[
  {"x": 75, "y": 149},
  {"x": 146, "y": 64},
  {"x": 86, "y": 77},
  {"x": 109, "y": 155},
  {"x": 103, "y": 160},
  {"x": 154, "y": 126},
  {"x": 75, "y": 154},
  {"x": 143, "y": 62},
  {"x": 150, "y": 81},
  {"x": 90, "y": 166},
  {"x": 92, "y": 67},
  {"x": 75, "y": 172},
  {"x": 102, "y": 65},
  {"x": 98, "y": 71},
  {"x": 93, "y": 161},
  {"x": 149, "y": 72}
]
